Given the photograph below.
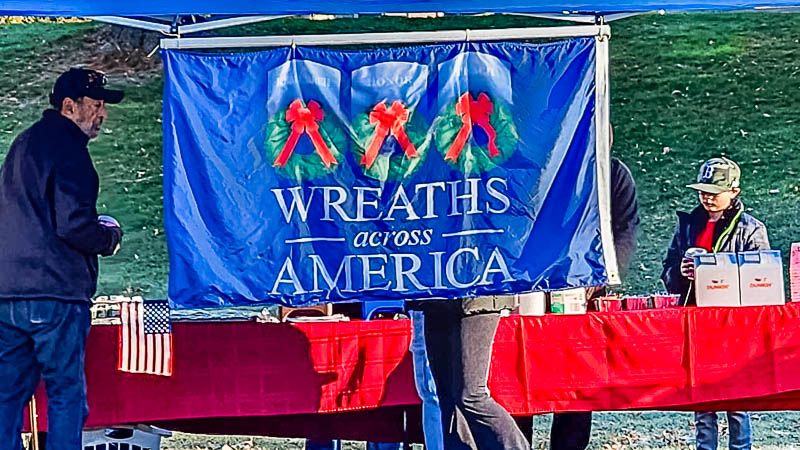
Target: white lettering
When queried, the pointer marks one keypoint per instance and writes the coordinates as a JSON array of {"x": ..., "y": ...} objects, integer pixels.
[
  {"x": 367, "y": 271},
  {"x": 400, "y": 194},
  {"x": 451, "y": 261},
  {"x": 494, "y": 193},
  {"x": 361, "y": 203},
  {"x": 437, "y": 270},
  {"x": 288, "y": 268},
  {"x": 471, "y": 194},
  {"x": 429, "y": 202},
  {"x": 337, "y": 205},
  {"x": 400, "y": 273},
  {"x": 298, "y": 201},
  {"x": 502, "y": 268},
  {"x": 319, "y": 269}
]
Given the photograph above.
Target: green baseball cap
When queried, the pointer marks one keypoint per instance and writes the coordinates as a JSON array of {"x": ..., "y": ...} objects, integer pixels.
[{"x": 717, "y": 175}]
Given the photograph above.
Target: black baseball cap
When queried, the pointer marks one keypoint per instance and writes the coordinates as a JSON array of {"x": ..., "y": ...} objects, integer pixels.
[{"x": 78, "y": 82}]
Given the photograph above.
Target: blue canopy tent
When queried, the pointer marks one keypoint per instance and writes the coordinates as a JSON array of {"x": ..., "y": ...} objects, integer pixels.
[{"x": 251, "y": 7}]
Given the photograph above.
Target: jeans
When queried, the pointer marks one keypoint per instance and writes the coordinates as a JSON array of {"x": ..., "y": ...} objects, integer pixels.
[
  {"x": 426, "y": 388},
  {"x": 738, "y": 430},
  {"x": 43, "y": 339},
  {"x": 459, "y": 351},
  {"x": 323, "y": 445},
  {"x": 570, "y": 431},
  {"x": 384, "y": 446}
]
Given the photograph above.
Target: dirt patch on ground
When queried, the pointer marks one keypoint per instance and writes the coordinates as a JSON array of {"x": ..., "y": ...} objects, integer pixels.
[{"x": 122, "y": 50}]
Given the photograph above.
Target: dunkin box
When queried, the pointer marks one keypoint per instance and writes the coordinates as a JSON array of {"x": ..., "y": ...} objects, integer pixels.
[
  {"x": 761, "y": 278},
  {"x": 716, "y": 279}
]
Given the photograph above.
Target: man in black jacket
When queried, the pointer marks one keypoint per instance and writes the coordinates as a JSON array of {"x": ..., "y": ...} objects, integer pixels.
[{"x": 52, "y": 236}]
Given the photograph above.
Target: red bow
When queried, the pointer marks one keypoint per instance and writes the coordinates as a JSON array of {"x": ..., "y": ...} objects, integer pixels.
[
  {"x": 305, "y": 120},
  {"x": 388, "y": 120},
  {"x": 473, "y": 112}
]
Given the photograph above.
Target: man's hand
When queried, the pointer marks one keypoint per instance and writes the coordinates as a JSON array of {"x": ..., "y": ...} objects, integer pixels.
[
  {"x": 107, "y": 221},
  {"x": 113, "y": 224},
  {"x": 687, "y": 268}
]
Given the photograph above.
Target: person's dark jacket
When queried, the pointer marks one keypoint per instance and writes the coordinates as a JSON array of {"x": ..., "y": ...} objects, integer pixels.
[
  {"x": 736, "y": 231},
  {"x": 48, "y": 216},
  {"x": 624, "y": 225},
  {"x": 624, "y": 214}
]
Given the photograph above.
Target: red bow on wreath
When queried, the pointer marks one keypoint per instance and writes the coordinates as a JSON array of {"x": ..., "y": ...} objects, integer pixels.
[
  {"x": 388, "y": 120},
  {"x": 473, "y": 112},
  {"x": 305, "y": 120}
]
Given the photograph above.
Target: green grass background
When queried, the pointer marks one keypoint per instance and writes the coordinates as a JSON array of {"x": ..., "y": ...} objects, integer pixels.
[{"x": 684, "y": 87}]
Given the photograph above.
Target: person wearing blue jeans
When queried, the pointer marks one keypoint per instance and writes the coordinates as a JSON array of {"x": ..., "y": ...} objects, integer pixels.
[
  {"x": 51, "y": 238},
  {"x": 426, "y": 387},
  {"x": 718, "y": 224},
  {"x": 43, "y": 338},
  {"x": 738, "y": 430}
]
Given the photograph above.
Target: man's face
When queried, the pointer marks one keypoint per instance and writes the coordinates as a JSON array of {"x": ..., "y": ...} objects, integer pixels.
[
  {"x": 87, "y": 113},
  {"x": 714, "y": 203}
]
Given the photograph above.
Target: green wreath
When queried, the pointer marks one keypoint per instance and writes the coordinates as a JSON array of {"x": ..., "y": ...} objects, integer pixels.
[
  {"x": 475, "y": 158},
  {"x": 304, "y": 167},
  {"x": 387, "y": 166}
]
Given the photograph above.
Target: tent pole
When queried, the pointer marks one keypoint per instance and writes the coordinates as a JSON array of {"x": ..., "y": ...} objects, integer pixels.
[
  {"x": 387, "y": 38},
  {"x": 603, "y": 154},
  {"x": 133, "y": 23},
  {"x": 34, "y": 422},
  {"x": 224, "y": 23}
]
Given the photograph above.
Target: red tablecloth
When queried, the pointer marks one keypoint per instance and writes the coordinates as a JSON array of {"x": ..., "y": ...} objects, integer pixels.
[{"x": 276, "y": 379}]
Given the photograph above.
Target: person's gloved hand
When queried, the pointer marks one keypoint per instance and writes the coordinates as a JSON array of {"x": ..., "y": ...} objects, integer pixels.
[
  {"x": 108, "y": 221},
  {"x": 687, "y": 268},
  {"x": 113, "y": 224}
]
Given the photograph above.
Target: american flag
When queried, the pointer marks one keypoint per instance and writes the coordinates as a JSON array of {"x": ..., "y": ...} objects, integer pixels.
[{"x": 145, "y": 337}]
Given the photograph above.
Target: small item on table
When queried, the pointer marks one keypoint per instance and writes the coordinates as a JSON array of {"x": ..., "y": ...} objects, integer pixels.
[
  {"x": 661, "y": 301},
  {"x": 532, "y": 304},
  {"x": 568, "y": 301},
  {"x": 635, "y": 302},
  {"x": 608, "y": 303}
]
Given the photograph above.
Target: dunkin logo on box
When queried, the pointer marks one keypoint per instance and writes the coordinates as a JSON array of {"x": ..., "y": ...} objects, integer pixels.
[
  {"x": 760, "y": 283},
  {"x": 717, "y": 285}
]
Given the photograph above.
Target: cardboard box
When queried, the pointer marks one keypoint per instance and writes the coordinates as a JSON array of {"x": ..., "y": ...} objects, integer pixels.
[
  {"x": 532, "y": 304},
  {"x": 716, "y": 279},
  {"x": 568, "y": 301},
  {"x": 761, "y": 278}
]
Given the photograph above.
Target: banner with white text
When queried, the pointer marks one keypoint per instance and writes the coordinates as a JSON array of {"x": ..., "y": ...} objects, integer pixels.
[{"x": 296, "y": 176}]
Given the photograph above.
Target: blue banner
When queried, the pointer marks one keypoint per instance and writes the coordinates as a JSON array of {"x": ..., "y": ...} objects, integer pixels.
[{"x": 302, "y": 175}]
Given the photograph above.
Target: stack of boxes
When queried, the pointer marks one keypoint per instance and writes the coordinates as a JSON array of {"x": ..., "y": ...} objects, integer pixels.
[
  {"x": 739, "y": 279},
  {"x": 721, "y": 279}
]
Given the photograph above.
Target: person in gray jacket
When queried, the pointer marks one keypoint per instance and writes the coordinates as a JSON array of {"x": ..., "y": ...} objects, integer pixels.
[{"x": 719, "y": 224}]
